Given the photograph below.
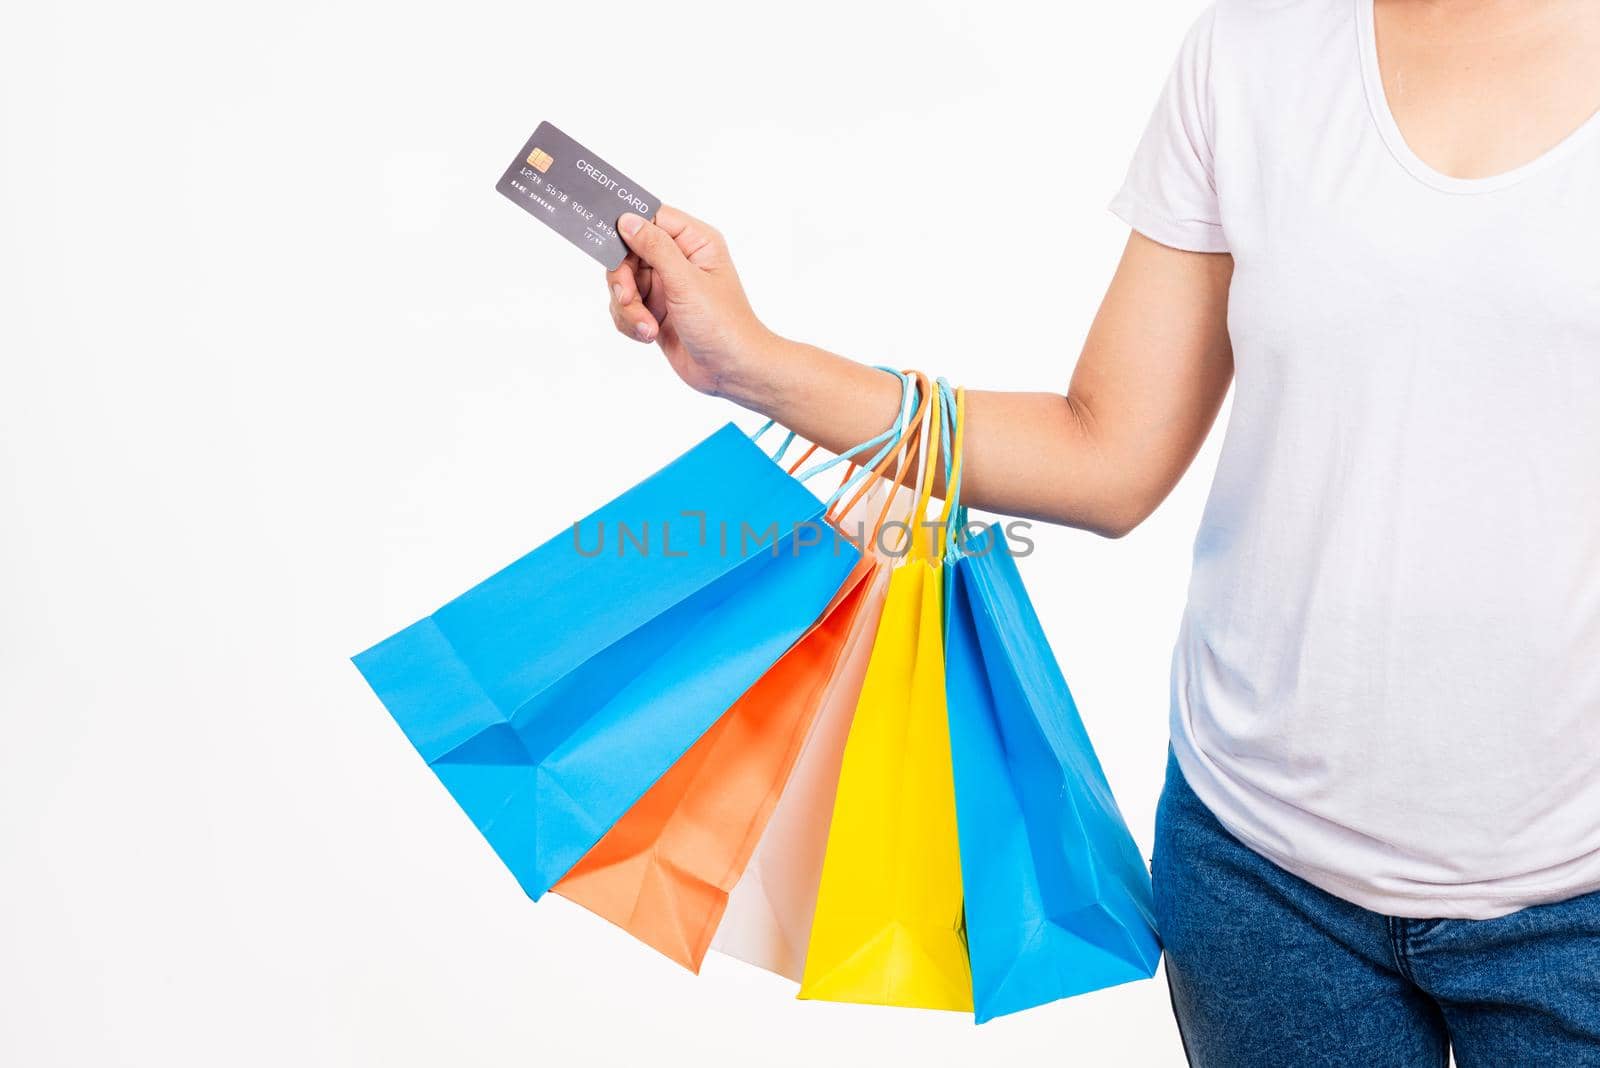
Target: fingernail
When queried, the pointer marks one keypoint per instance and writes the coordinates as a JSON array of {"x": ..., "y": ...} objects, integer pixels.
[
  {"x": 616, "y": 291},
  {"x": 643, "y": 330},
  {"x": 629, "y": 224}
]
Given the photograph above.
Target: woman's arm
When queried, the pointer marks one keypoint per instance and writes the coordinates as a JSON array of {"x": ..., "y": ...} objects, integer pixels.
[{"x": 1146, "y": 390}]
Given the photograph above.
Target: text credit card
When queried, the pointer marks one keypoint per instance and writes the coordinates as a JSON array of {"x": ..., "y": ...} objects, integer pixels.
[{"x": 574, "y": 192}]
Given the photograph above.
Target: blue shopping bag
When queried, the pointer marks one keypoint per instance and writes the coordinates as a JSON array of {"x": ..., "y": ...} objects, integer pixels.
[
  {"x": 549, "y": 697},
  {"x": 1057, "y": 895}
]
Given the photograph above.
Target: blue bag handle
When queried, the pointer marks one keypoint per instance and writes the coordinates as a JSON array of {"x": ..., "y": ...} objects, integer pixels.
[
  {"x": 890, "y": 440},
  {"x": 885, "y": 441},
  {"x": 761, "y": 431}
]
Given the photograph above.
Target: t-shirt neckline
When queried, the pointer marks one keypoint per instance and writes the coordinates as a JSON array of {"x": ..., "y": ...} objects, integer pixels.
[{"x": 1394, "y": 140}]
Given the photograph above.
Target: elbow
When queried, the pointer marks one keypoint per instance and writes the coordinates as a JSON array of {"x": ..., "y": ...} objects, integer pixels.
[
  {"x": 1116, "y": 518},
  {"x": 1111, "y": 528},
  {"x": 1112, "y": 531},
  {"x": 1114, "y": 498},
  {"x": 1104, "y": 523}
]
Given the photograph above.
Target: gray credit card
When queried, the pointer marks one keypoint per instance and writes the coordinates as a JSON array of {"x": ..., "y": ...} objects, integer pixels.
[{"x": 574, "y": 192}]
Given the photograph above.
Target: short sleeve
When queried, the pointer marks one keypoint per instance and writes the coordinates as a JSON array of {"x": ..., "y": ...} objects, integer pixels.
[{"x": 1170, "y": 193}]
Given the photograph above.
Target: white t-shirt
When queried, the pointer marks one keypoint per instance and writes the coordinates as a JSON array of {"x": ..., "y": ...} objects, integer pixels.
[{"x": 1387, "y": 679}]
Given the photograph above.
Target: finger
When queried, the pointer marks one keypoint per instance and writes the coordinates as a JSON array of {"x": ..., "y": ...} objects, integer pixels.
[
  {"x": 657, "y": 249},
  {"x": 624, "y": 281},
  {"x": 634, "y": 320},
  {"x": 628, "y": 313},
  {"x": 655, "y": 302},
  {"x": 620, "y": 284},
  {"x": 702, "y": 245}
]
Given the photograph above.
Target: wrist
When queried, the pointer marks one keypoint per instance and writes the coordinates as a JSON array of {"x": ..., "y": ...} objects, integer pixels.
[{"x": 753, "y": 375}]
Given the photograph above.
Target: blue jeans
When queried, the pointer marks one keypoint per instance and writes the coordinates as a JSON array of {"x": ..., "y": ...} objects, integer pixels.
[{"x": 1265, "y": 969}]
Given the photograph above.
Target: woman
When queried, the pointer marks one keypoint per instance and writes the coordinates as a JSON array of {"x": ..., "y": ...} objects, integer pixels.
[{"x": 1380, "y": 834}]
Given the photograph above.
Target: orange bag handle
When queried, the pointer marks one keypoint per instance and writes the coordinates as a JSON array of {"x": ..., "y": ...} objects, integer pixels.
[
  {"x": 898, "y": 455},
  {"x": 909, "y": 462}
]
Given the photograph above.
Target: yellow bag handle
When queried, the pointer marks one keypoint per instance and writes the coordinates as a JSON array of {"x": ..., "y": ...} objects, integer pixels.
[
  {"x": 927, "y": 463},
  {"x": 952, "y": 475}
]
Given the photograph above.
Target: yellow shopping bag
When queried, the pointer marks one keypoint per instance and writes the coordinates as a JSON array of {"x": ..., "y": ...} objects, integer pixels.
[{"x": 888, "y": 924}]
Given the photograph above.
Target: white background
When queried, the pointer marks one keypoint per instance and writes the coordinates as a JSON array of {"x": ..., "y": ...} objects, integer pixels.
[{"x": 282, "y": 373}]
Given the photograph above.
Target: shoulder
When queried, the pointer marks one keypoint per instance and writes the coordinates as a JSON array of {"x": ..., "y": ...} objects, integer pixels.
[
  {"x": 1266, "y": 22},
  {"x": 1260, "y": 29},
  {"x": 1270, "y": 46}
]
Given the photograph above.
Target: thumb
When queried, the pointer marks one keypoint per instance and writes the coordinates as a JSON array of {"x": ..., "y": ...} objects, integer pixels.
[{"x": 656, "y": 248}]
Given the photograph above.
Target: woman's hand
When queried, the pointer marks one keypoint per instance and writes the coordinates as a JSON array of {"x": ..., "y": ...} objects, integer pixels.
[{"x": 678, "y": 286}]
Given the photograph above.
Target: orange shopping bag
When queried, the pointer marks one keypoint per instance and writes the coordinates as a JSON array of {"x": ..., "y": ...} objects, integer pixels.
[{"x": 664, "y": 871}]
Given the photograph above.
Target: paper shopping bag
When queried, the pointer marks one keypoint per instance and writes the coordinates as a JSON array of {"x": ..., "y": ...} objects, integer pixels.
[
  {"x": 768, "y": 918},
  {"x": 549, "y": 697},
  {"x": 665, "y": 869},
  {"x": 1057, "y": 896},
  {"x": 888, "y": 922}
]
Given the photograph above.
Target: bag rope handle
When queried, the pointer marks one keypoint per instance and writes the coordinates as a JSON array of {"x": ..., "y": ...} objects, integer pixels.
[
  {"x": 954, "y": 514},
  {"x": 897, "y": 455},
  {"x": 912, "y": 460},
  {"x": 885, "y": 439}
]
